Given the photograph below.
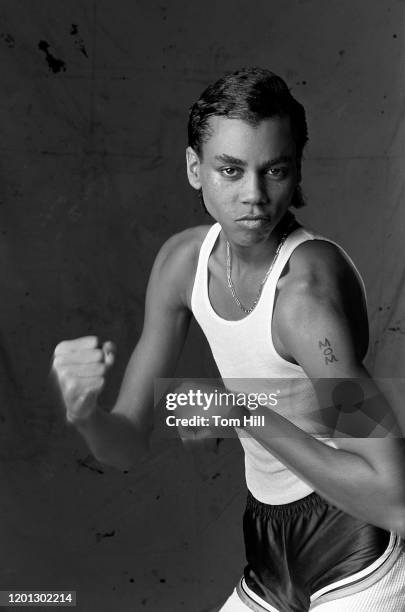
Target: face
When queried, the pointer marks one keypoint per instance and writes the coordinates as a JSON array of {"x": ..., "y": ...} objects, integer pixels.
[{"x": 247, "y": 175}]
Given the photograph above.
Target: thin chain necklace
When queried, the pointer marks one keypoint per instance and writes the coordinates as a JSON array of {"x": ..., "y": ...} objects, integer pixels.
[{"x": 266, "y": 276}]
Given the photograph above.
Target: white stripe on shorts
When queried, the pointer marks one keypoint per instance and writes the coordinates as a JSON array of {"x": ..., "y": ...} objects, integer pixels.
[
  {"x": 367, "y": 577},
  {"x": 386, "y": 595},
  {"x": 378, "y": 588}
]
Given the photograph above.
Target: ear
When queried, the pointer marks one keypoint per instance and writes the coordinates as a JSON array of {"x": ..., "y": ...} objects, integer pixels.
[{"x": 193, "y": 168}]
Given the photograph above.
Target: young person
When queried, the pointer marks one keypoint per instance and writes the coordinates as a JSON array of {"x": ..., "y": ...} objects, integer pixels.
[{"x": 324, "y": 517}]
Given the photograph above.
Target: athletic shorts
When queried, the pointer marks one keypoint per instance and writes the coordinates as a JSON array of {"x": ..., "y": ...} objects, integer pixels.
[{"x": 309, "y": 555}]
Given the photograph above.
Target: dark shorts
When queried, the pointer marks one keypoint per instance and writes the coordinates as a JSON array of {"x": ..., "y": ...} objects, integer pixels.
[{"x": 294, "y": 550}]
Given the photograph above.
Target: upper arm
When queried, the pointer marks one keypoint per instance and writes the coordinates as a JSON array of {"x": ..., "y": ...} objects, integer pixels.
[
  {"x": 166, "y": 323},
  {"x": 321, "y": 314},
  {"x": 316, "y": 329}
]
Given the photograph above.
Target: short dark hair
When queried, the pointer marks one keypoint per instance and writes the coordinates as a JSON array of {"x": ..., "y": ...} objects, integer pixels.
[{"x": 250, "y": 94}]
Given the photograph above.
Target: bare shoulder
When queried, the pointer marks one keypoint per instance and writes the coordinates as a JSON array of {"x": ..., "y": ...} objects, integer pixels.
[
  {"x": 318, "y": 280},
  {"x": 175, "y": 264},
  {"x": 320, "y": 266},
  {"x": 179, "y": 253}
]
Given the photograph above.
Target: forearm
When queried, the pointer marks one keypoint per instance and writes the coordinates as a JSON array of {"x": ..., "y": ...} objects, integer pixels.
[
  {"x": 344, "y": 478},
  {"x": 113, "y": 439}
]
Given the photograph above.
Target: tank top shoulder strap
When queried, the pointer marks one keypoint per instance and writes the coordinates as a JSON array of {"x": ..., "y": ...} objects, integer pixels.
[
  {"x": 208, "y": 243},
  {"x": 201, "y": 275},
  {"x": 297, "y": 237},
  {"x": 293, "y": 240}
]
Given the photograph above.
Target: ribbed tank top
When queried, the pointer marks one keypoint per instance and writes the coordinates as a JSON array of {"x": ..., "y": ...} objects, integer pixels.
[{"x": 248, "y": 362}]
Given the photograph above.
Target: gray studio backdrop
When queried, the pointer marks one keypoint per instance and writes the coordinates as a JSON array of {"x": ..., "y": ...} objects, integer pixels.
[{"x": 93, "y": 100}]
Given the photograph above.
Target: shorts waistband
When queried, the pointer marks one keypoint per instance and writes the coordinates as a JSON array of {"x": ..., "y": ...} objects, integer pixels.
[{"x": 309, "y": 502}]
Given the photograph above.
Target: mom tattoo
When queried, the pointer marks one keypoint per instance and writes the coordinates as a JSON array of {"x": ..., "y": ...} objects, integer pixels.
[{"x": 327, "y": 351}]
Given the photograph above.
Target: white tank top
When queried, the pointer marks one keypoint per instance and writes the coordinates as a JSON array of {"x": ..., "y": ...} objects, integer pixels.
[{"x": 243, "y": 351}]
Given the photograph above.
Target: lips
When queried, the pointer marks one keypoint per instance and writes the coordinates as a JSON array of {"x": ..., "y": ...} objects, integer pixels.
[
  {"x": 253, "y": 222},
  {"x": 253, "y": 218}
]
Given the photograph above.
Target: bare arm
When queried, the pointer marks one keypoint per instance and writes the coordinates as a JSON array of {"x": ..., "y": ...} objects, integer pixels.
[
  {"x": 120, "y": 437},
  {"x": 364, "y": 476}
]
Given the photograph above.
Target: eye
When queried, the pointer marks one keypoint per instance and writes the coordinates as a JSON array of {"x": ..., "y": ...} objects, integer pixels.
[
  {"x": 278, "y": 172},
  {"x": 230, "y": 172}
]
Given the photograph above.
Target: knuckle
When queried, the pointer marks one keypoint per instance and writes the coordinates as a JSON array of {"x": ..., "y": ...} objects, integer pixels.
[
  {"x": 60, "y": 347},
  {"x": 102, "y": 369},
  {"x": 98, "y": 355},
  {"x": 93, "y": 341}
]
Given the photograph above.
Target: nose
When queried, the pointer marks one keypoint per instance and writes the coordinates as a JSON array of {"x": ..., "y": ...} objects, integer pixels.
[{"x": 254, "y": 189}]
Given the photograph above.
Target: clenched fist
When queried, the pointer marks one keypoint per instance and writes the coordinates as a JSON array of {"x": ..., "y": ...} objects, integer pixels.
[{"x": 81, "y": 366}]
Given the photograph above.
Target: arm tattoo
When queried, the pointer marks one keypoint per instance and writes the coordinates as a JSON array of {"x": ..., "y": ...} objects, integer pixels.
[{"x": 327, "y": 351}]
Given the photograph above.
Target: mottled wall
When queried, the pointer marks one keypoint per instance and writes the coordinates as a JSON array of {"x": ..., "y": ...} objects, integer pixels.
[{"x": 93, "y": 103}]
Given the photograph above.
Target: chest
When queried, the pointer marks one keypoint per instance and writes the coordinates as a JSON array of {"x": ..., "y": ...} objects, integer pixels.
[{"x": 248, "y": 289}]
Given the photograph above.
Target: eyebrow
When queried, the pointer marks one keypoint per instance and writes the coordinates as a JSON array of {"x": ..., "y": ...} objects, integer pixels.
[{"x": 229, "y": 159}]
